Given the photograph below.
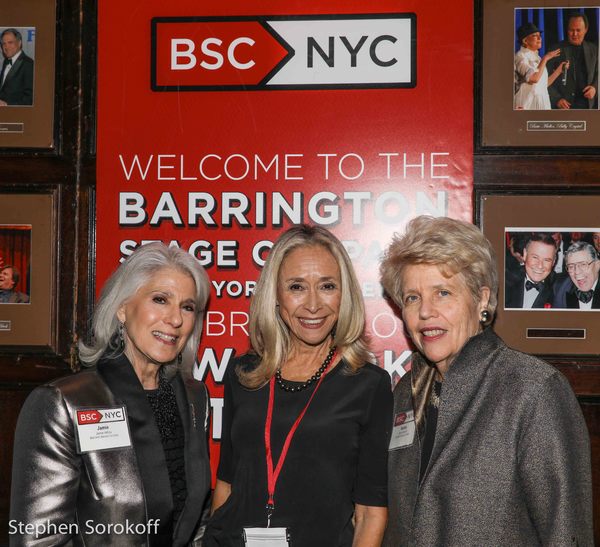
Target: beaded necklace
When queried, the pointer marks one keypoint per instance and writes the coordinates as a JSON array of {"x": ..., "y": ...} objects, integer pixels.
[{"x": 315, "y": 377}]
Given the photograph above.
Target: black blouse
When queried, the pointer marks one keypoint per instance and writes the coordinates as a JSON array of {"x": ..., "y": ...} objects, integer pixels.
[
  {"x": 166, "y": 414},
  {"x": 337, "y": 458}
]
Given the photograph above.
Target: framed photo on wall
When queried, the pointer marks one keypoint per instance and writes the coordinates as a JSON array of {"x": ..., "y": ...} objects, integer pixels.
[
  {"x": 539, "y": 74},
  {"x": 27, "y": 270},
  {"x": 547, "y": 249},
  {"x": 27, "y": 74},
  {"x": 15, "y": 263}
]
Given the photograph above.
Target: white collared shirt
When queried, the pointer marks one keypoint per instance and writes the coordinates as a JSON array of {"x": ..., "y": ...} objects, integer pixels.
[
  {"x": 530, "y": 295},
  {"x": 9, "y": 67}
]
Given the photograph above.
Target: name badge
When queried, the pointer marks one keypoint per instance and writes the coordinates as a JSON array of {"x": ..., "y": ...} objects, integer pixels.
[
  {"x": 101, "y": 429},
  {"x": 266, "y": 537},
  {"x": 403, "y": 432}
]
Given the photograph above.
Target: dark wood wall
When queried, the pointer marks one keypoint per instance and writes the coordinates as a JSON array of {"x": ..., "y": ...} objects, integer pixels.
[
  {"x": 68, "y": 172},
  {"x": 564, "y": 171}
]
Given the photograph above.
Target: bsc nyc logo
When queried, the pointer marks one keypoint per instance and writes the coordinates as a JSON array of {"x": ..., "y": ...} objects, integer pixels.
[{"x": 283, "y": 52}]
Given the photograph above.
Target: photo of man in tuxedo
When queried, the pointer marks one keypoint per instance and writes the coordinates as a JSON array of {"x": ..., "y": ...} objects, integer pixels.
[
  {"x": 581, "y": 289},
  {"x": 532, "y": 286},
  {"x": 16, "y": 76},
  {"x": 578, "y": 87}
]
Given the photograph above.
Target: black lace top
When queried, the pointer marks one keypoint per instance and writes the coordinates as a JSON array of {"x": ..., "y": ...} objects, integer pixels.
[{"x": 170, "y": 427}]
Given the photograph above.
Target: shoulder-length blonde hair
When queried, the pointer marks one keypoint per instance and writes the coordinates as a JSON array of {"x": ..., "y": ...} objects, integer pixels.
[
  {"x": 455, "y": 246},
  {"x": 269, "y": 335}
]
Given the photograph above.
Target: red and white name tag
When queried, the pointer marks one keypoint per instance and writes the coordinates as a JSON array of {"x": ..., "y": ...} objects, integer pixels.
[
  {"x": 102, "y": 429},
  {"x": 403, "y": 432}
]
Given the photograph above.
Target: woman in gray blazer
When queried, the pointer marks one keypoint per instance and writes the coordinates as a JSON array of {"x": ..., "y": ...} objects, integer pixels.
[
  {"x": 117, "y": 454},
  {"x": 489, "y": 446}
]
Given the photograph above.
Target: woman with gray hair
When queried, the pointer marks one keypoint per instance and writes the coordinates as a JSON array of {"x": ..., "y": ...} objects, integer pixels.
[
  {"x": 489, "y": 446},
  {"x": 116, "y": 454},
  {"x": 306, "y": 417}
]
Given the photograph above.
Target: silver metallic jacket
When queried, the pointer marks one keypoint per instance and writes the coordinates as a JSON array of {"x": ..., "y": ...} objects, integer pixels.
[{"x": 61, "y": 497}]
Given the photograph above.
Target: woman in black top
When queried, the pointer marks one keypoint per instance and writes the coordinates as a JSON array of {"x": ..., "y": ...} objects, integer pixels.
[{"x": 309, "y": 368}]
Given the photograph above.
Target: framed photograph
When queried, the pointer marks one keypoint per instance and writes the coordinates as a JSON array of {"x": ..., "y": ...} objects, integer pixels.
[
  {"x": 27, "y": 70},
  {"x": 15, "y": 263},
  {"x": 539, "y": 74},
  {"x": 547, "y": 249},
  {"x": 27, "y": 270}
]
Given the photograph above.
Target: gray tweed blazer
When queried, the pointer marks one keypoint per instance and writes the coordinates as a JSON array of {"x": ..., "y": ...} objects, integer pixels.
[{"x": 511, "y": 459}]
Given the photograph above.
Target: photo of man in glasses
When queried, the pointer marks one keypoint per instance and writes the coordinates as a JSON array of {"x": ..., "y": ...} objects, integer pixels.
[{"x": 581, "y": 289}]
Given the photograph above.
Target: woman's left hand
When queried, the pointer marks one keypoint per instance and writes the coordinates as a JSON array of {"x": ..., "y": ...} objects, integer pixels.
[
  {"x": 369, "y": 525},
  {"x": 551, "y": 54}
]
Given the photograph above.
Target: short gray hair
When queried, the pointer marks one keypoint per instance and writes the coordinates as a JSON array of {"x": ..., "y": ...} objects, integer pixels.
[
  {"x": 453, "y": 245},
  {"x": 14, "y": 31},
  {"x": 132, "y": 274},
  {"x": 581, "y": 246}
]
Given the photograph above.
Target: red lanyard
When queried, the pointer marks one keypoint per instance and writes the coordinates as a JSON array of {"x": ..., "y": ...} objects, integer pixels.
[{"x": 272, "y": 476}]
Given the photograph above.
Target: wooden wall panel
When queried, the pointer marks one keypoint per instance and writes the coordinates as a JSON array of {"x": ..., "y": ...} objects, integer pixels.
[
  {"x": 11, "y": 400},
  {"x": 68, "y": 171}
]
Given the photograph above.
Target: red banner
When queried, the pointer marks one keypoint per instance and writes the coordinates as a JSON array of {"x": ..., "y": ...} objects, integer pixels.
[{"x": 219, "y": 125}]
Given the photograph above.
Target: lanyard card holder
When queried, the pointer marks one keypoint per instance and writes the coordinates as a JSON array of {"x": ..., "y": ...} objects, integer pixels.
[{"x": 266, "y": 537}]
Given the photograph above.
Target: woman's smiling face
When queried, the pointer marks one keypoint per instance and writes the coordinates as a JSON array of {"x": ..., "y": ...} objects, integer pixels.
[
  {"x": 309, "y": 294},
  {"x": 439, "y": 312},
  {"x": 159, "y": 318},
  {"x": 533, "y": 41}
]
